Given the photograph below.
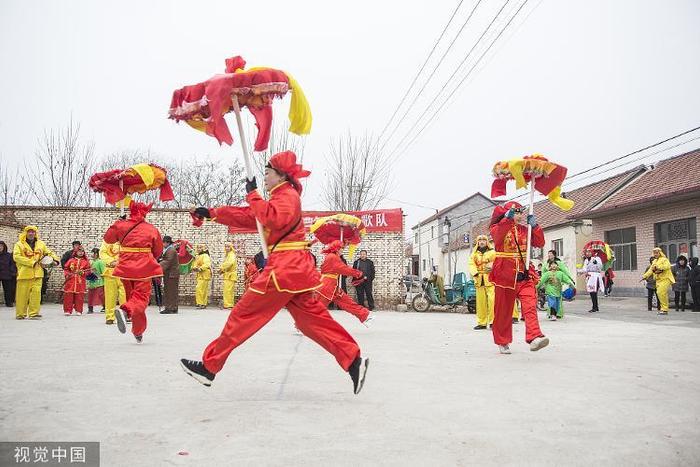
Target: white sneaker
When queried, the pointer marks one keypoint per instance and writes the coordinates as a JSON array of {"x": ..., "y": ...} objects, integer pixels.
[
  {"x": 120, "y": 316},
  {"x": 539, "y": 343},
  {"x": 551, "y": 318},
  {"x": 504, "y": 349},
  {"x": 368, "y": 321}
]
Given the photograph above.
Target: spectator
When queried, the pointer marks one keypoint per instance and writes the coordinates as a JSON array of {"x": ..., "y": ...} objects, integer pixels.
[
  {"x": 95, "y": 282},
  {"x": 114, "y": 288},
  {"x": 608, "y": 280},
  {"x": 170, "y": 264},
  {"x": 74, "y": 286},
  {"x": 694, "y": 283},
  {"x": 681, "y": 273},
  {"x": 28, "y": 253},
  {"x": 8, "y": 275},
  {"x": 202, "y": 266},
  {"x": 70, "y": 253},
  {"x": 364, "y": 289},
  {"x": 651, "y": 288},
  {"x": 439, "y": 283}
]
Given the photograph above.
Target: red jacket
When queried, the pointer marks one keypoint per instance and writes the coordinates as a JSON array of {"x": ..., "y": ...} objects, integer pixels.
[
  {"x": 508, "y": 260},
  {"x": 75, "y": 271},
  {"x": 290, "y": 266},
  {"x": 331, "y": 268},
  {"x": 139, "y": 248}
]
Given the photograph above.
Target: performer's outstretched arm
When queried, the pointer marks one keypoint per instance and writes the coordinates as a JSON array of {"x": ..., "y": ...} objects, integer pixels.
[
  {"x": 235, "y": 216},
  {"x": 338, "y": 267}
]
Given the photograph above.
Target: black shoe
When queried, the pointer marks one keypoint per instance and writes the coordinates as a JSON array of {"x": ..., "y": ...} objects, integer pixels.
[
  {"x": 515, "y": 320},
  {"x": 89, "y": 310},
  {"x": 102, "y": 310},
  {"x": 196, "y": 370},
  {"x": 168, "y": 312},
  {"x": 120, "y": 315},
  {"x": 480, "y": 326},
  {"x": 139, "y": 339},
  {"x": 355, "y": 369}
]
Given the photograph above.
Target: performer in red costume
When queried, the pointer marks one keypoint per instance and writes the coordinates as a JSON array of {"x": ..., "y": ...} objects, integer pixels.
[
  {"x": 141, "y": 245},
  {"x": 289, "y": 278},
  {"x": 510, "y": 278},
  {"x": 331, "y": 269}
]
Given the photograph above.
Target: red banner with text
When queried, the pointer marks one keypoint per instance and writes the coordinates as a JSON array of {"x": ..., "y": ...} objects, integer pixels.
[{"x": 378, "y": 220}]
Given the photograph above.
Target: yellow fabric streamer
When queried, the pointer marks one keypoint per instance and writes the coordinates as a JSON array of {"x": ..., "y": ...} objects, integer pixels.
[
  {"x": 146, "y": 173},
  {"x": 299, "y": 110},
  {"x": 556, "y": 199}
]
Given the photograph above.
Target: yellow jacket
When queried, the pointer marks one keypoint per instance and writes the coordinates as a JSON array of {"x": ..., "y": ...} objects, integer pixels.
[
  {"x": 109, "y": 253},
  {"x": 203, "y": 262},
  {"x": 661, "y": 269},
  {"x": 27, "y": 259},
  {"x": 230, "y": 267},
  {"x": 478, "y": 264}
]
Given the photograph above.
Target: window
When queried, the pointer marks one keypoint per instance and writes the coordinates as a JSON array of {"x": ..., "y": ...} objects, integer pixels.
[
  {"x": 558, "y": 246},
  {"x": 624, "y": 244},
  {"x": 677, "y": 237}
]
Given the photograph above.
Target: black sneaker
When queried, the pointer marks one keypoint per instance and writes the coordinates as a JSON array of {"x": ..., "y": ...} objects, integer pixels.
[
  {"x": 480, "y": 326},
  {"x": 139, "y": 339},
  {"x": 515, "y": 320},
  {"x": 120, "y": 315},
  {"x": 90, "y": 310},
  {"x": 196, "y": 370},
  {"x": 355, "y": 369}
]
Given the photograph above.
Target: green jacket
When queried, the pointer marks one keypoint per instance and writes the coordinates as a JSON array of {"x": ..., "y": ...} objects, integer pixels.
[
  {"x": 553, "y": 282},
  {"x": 98, "y": 267}
]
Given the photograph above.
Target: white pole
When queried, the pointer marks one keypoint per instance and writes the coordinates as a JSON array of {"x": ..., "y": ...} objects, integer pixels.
[
  {"x": 121, "y": 208},
  {"x": 248, "y": 165},
  {"x": 529, "y": 227}
]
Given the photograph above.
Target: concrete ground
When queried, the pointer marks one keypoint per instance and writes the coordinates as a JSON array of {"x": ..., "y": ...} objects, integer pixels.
[{"x": 620, "y": 387}]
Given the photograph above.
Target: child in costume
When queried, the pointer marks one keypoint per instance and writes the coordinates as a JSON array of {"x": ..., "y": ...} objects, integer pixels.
[
  {"x": 75, "y": 271},
  {"x": 552, "y": 282}
]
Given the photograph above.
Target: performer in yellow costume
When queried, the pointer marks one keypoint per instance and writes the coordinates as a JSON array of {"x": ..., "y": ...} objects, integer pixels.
[
  {"x": 109, "y": 254},
  {"x": 480, "y": 264},
  {"x": 202, "y": 266},
  {"x": 661, "y": 269},
  {"x": 27, "y": 254},
  {"x": 229, "y": 269}
]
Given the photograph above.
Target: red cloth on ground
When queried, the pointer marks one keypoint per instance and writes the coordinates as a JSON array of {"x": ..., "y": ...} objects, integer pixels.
[
  {"x": 73, "y": 301},
  {"x": 138, "y": 294}
]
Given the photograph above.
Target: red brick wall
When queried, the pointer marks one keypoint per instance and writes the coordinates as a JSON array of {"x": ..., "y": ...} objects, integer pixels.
[{"x": 627, "y": 282}]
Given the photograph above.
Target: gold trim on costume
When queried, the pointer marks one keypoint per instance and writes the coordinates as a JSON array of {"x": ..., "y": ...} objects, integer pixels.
[
  {"x": 127, "y": 249},
  {"x": 290, "y": 246}
]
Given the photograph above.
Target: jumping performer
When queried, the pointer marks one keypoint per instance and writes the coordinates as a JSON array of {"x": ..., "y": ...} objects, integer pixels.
[{"x": 289, "y": 278}]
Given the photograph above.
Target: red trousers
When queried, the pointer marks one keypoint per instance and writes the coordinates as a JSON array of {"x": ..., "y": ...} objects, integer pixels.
[
  {"x": 344, "y": 302},
  {"x": 96, "y": 296},
  {"x": 138, "y": 294},
  {"x": 503, "y": 312},
  {"x": 73, "y": 301},
  {"x": 254, "y": 310}
]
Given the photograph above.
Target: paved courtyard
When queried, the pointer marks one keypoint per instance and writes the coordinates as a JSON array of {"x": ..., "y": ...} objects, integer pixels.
[{"x": 620, "y": 387}]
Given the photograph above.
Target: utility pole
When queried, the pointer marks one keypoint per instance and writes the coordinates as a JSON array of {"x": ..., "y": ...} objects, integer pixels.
[{"x": 447, "y": 225}]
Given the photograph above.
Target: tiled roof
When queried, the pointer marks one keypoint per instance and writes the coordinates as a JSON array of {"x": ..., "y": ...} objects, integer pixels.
[
  {"x": 584, "y": 198},
  {"x": 671, "y": 178},
  {"x": 442, "y": 212}
]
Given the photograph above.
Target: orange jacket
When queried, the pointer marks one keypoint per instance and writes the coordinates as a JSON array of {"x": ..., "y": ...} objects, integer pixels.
[
  {"x": 75, "y": 271},
  {"x": 290, "y": 265},
  {"x": 331, "y": 268},
  {"x": 508, "y": 260},
  {"x": 140, "y": 245}
]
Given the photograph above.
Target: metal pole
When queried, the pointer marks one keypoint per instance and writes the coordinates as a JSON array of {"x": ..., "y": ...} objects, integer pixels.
[
  {"x": 449, "y": 255},
  {"x": 121, "y": 208},
  {"x": 248, "y": 166},
  {"x": 529, "y": 227},
  {"x": 420, "y": 262}
]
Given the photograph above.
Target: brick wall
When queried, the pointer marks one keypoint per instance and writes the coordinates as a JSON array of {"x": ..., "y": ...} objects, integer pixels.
[
  {"x": 627, "y": 282},
  {"x": 58, "y": 227}
]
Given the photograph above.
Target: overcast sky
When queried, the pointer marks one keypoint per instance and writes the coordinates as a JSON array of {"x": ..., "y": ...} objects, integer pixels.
[{"x": 579, "y": 81}]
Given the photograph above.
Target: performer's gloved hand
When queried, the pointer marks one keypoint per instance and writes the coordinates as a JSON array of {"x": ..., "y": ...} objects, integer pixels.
[
  {"x": 202, "y": 212},
  {"x": 510, "y": 214},
  {"x": 532, "y": 220},
  {"x": 250, "y": 185}
]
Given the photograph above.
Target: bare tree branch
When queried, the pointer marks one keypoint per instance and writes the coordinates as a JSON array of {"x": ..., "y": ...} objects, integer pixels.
[
  {"x": 358, "y": 177},
  {"x": 13, "y": 190}
]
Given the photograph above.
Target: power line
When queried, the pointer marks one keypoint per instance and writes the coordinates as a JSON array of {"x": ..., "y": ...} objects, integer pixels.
[
  {"x": 415, "y": 98},
  {"x": 415, "y": 79},
  {"x": 455, "y": 89}
]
